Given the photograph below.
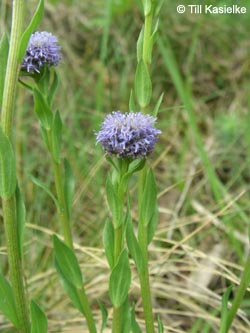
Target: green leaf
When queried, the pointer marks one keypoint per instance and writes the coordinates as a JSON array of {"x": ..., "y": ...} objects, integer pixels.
[
  {"x": 153, "y": 223},
  {"x": 143, "y": 85},
  {"x": 46, "y": 189},
  {"x": 67, "y": 262},
  {"x": 7, "y": 167},
  {"x": 36, "y": 20},
  {"x": 56, "y": 132},
  {"x": 44, "y": 133},
  {"x": 38, "y": 319},
  {"x": 160, "y": 326},
  {"x": 7, "y": 302},
  {"x": 119, "y": 281},
  {"x": 53, "y": 88},
  {"x": 108, "y": 242},
  {"x": 134, "y": 325},
  {"x": 104, "y": 312},
  {"x": 132, "y": 106},
  {"x": 42, "y": 109},
  {"x": 134, "y": 248},
  {"x": 114, "y": 202},
  {"x": 152, "y": 41},
  {"x": 224, "y": 310},
  {"x": 4, "y": 49},
  {"x": 21, "y": 218},
  {"x": 139, "y": 45},
  {"x": 69, "y": 288},
  {"x": 126, "y": 317},
  {"x": 147, "y": 5},
  {"x": 149, "y": 199},
  {"x": 157, "y": 106},
  {"x": 69, "y": 186}
]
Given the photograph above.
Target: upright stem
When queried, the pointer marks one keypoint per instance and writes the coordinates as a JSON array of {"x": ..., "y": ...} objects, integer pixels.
[
  {"x": 244, "y": 283},
  {"x": 87, "y": 310},
  {"x": 117, "y": 315},
  {"x": 9, "y": 205}
]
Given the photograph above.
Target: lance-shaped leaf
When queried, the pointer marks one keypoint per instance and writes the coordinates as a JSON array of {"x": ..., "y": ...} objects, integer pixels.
[
  {"x": 126, "y": 317},
  {"x": 149, "y": 198},
  {"x": 71, "y": 291},
  {"x": 143, "y": 85},
  {"x": 153, "y": 223},
  {"x": 157, "y": 106},
  {"x": 224, "y": 310},
  {"x": 21, "y": 218},
  {"x": 133, "y": 246},
  {"x": 36, "y": 20},
  {"x": 53, "y": 88},
  {"x": 38, "y": 319},
  {"x": 104, "y": 312},
  {"x": 147, "y": 5},
  {"x": 114, "y": 202},
  {"x": 139, "y": 45},
  {"x": 67, "y": 262},
  {"x": 160, "y": 326},
  {"x": 119, "y": 281},
  {"x": 7, "y": 302},
  {"x": 4, "y": 49},
  {"x": 42, "y": 109},
  {"x": 108, "y": 242},
  {"x": 131, "y": 105},
  {"x": 7, "y": 167},
  {"x": 134, "y": 325},
  {"x": 69, "y": 186},
  {"x": 56, "y": 132}
]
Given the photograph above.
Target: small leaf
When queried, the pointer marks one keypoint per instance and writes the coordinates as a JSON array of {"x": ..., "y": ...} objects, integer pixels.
[
  {"x": 134, "y": 248},
  {"x": 56, "y": 132},
  {"x": 4, "y": 49},
  {"x": 119, "y": 281},
  {"x": 21, "y": 218},
  {"x": 69, "y": 288},
  {"x": 160, "y": 326},
  {"x": 115, "y": 203},
  {"x": 7, "y": 302},
  {"x": 108, "y": 242},
  {"x": 36, "y": 20},
  {"x": 7, "y": 167},
  {"x": 53, "y": 88},
  {"x": 38, "y": 319},
  {"x": 143, "y": 85},
  {"x": 149, "y": 198},
  {"x": 157, "y": 106},
  {"x": 132, "y": 106},
  {"x": 44, "y": 133},
  {"x": 152, "y": 41},
  {"x": 46, "y": 189},
  {"x": 67, "y": 262},
  {"x": 139, "y": 45},
  {"x": 134, "y": 325},
  {"x": 104, "y": 312},
  {"x": 153, "y": 223},
  {"x": 42, "y": 109},
  {"x": 69, "y": 186}
]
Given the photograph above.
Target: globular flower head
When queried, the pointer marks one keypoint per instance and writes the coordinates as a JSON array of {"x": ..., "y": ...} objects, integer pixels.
[
  {"x": 128, "y": 135},
  {"x": 42, "y": 50}
]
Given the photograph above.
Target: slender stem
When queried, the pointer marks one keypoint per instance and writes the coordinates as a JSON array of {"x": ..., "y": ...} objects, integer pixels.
[
  {"x": 244, "y": 283},
  {"x": 144, "y": 279},
  {"x": 117, "y": 313},
  {"x": 87, "y": 310},
  {"x": 9, "y": 205},
  {"x": 146, "y": 53}
]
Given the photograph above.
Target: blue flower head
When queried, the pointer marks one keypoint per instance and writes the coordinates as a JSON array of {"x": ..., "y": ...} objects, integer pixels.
[
  {"x": 42, "y": 50},
  {"x": 128, "y": 135}
]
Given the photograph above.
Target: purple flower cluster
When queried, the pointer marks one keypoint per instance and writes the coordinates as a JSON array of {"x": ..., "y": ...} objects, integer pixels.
[
  {"x": 42, "y": 50},
  {"x": 128, "y": 135}
]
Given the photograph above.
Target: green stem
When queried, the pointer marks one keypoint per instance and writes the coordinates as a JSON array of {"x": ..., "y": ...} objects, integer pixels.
[
  {"x": 146, "y": 53},
  {"x": 144, "y": 279},
  {"x": 87, "y": 310},
  {"x": 117, "y": 312},
  {"x": 244, "y": 283},
  {"x": 9, "y": 205}
]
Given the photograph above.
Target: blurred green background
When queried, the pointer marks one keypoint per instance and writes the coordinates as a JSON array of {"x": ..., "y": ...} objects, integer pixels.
[{"x": 202, "y": 64}]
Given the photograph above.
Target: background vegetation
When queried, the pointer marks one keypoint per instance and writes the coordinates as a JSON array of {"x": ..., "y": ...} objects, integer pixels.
[{"x": 201, "y": 63}]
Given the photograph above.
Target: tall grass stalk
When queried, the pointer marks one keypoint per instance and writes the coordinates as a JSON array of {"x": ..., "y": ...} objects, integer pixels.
[{"x": 9, "y": 205}]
